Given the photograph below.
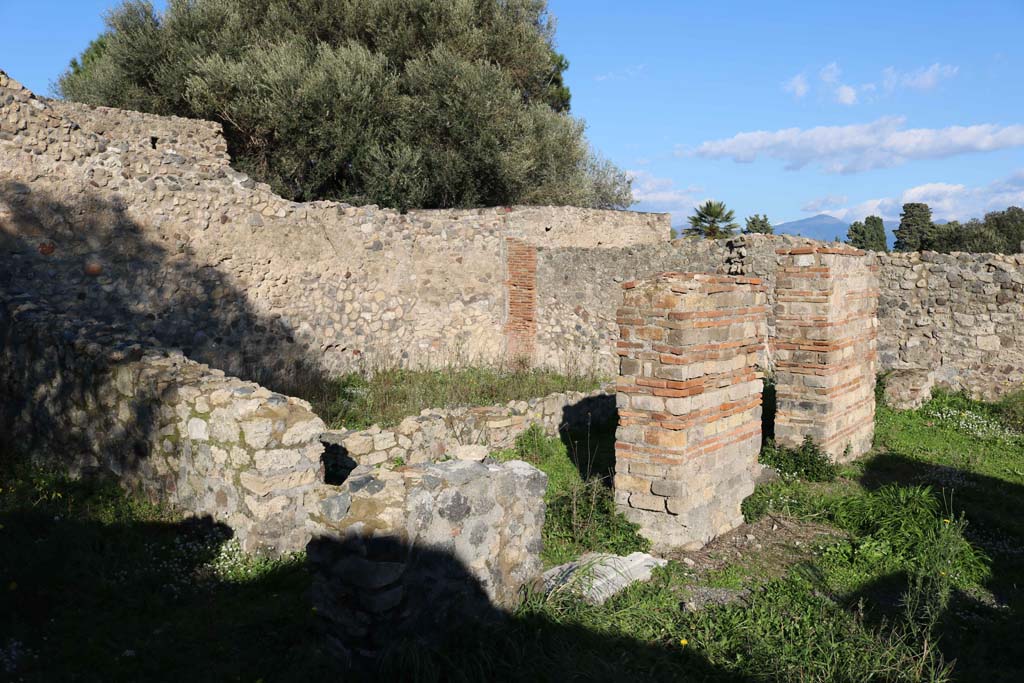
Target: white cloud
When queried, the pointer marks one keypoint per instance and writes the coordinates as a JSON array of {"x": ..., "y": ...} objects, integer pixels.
[
  {"x": 832, "y": 201},
  {"x": 660, "y": 194},
  {"x": 948, "y": 201},
  {"x": 797, "y": 85},
  {"x": 830, "y": 73},
  {"x": 925, "y": 78},
  {"x": 845, "y": 94},
  {"x": 860, "y": 147}
]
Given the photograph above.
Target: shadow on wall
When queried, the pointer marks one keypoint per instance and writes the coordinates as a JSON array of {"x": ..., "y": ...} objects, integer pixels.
[
  {"x": 89, "y": 599},
  {"x": 85, "y": 256},
  {"x": 588, "y": 431},
  {"x": 94, "y": 295}
]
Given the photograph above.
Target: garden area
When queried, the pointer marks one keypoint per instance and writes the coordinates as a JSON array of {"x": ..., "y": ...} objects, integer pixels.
[{"x": 902, "y": 566}]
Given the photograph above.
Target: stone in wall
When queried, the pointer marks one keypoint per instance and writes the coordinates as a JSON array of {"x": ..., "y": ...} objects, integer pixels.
[
  {"x": 88, "y": 397},
  {"x": 908, "y": 389},
  {"x": 826, "y": 303},
  {"x": 437, "y": 433},
  {"x": 689, "y": 397},
  {"x": 958, "y": 315},
  {"x": 415, "y": 552}
]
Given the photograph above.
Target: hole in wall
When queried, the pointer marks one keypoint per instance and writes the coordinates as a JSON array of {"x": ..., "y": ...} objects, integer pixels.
[
  {"x": 153, "y": 140},
  {"x": 337, "y": 463}
]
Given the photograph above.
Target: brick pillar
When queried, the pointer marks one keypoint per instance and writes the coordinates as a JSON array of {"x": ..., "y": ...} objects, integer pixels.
[
  {"x": 689, "y": 398},
  {"x": 825, "y": 349},
  {"x": 521, "y": 285}
]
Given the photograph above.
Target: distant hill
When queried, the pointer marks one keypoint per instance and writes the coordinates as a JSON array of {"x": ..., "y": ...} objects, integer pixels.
[
  {"x": 821, "y": 227},
  {"x": 826, "y": 228}
]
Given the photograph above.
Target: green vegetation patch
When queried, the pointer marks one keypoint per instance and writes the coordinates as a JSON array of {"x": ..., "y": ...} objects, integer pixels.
[
  {"x": 355, "y": 401},
  {"x": 581, "y": 515}
]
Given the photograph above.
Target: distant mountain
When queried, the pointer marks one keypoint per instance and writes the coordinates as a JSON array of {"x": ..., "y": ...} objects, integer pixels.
[
  {"x": 821, "y": 227},
  {"x": 826, "y": 228}
]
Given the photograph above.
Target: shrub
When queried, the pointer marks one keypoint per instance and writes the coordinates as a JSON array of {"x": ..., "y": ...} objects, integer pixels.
[
  {"x": 1011, "y": 409},
  {"x": 404, "y": 103},
  {"x": 806, "y": 462}
]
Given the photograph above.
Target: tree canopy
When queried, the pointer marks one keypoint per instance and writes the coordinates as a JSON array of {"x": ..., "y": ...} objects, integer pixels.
[
  {"x": 999, "y": 232},
  {"x": 711, "y": 220},
  {"x": 758, "y": 224},
  {"x": 915, "y": 227},
  {"x": 869, "y": 234},
  {"x": 407, "y": 103}
]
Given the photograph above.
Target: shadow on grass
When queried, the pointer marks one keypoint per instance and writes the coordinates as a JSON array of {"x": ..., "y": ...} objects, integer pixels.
[
  {"x": 99, "y": 587},
  {"x": 977, "y": 631}
]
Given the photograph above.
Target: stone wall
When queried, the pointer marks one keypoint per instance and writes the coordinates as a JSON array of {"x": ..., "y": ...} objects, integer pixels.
[
  {"x": 207, "y": 260},
  {"x": 689, "y": 397},
  {"x": 415, "y": 552},
  {"x": 441, "y": 433},
  {"x": 960, "y": 315},
  {"x": 825, "y": 349},
  {"x": 84, "y": 396}
]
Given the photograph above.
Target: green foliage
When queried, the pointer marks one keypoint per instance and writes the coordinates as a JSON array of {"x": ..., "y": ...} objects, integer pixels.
[
  {"x": 356, "y": 401},
  {"x": 807, "y": 462},
  {"x": 581, "y": 515},
  {"x": 1000, "y": 232},
  {"x": 868, "y": 235},
  {"x": 1011, "y": 409},
  {"x": 711, "y": 220},
  {"x": 758, "y": 224},
  {"x": 915, "y": 227},
  {"x": 407, "y": 103}
]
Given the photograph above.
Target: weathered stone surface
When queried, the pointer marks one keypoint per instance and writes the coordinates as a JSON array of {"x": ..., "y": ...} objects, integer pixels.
[
  {"x": 422, "y": 549},
  {"x": 599, "y": 576},
  {"x": 682, "y": 474},
  {"x": 157, "y": 430},
  {"x": 826, "y": 330},
  {"x": 908, "y": 389}
]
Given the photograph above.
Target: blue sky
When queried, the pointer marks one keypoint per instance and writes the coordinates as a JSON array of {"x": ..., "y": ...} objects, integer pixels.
[{"x": 784, "y": 108}]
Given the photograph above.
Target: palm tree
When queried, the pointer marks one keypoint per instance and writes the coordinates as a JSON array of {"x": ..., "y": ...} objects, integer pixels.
[{"x": 711, "y": 221}]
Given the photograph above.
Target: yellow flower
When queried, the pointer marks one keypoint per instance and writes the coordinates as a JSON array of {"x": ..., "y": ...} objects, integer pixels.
[
  {"x": 945, "y": 521},
  {"x": 683, "y": 642}
]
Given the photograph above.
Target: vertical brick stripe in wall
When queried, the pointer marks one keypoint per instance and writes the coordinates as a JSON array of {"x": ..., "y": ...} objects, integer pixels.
[
  {"x": 521, "y": 287},
  {"x": 689, "y": 397},
  {"x": 826, "y": 348}
]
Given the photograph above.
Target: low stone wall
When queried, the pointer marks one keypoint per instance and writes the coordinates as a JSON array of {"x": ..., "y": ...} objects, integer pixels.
[
  {"x": 411, "y": 553},
  {"x": 84, "y": 396},
  {"x": 689, "y": 398},
  {"x": 440, "y": 433},
  {"x": 958, "y": 315},
  {"x": 826, "y": 313}
]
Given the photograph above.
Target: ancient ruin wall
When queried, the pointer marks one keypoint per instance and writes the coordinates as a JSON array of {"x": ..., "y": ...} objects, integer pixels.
[
  {"x": 165, "y": 229},
  {"x": 689, "y": 397},
  {"x": 960, "y": 315},
  {"x": 825, "y": 348},
  {"x": 87, "y": 397},
  {"x": 470, "y": 432}
]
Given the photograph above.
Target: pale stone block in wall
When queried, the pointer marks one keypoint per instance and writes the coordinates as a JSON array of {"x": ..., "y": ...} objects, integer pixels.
[
  {"x": 415, "y": 552},
  {"x": 826, "y": 348},
  {"x": 686, "y": 449}
]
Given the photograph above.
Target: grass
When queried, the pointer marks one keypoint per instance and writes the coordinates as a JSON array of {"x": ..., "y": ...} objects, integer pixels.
[
  {"x": 355, "y": 401},
  {"x": 581, "y": 515},
  {"x": 919, "y": 581}
]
